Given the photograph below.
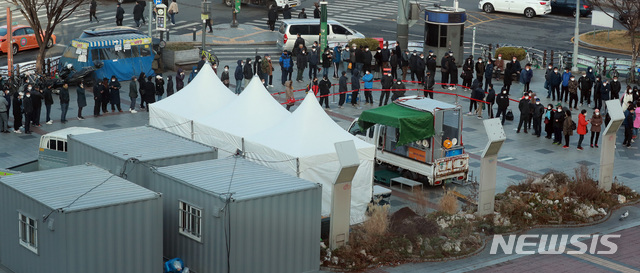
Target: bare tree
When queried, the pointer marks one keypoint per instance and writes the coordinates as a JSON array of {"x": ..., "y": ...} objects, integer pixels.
[
  {"x": 627, "y": 13},
  {"x": 56, "y": 11}
]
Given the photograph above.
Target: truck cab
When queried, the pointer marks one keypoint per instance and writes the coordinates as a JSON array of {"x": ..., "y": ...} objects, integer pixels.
[
  {"x": 418, "y": 137},
  {"x": 53, "y": 147}
]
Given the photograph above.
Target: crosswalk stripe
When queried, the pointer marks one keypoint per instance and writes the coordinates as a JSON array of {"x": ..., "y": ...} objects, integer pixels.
[{"x": 185, "y": 26}]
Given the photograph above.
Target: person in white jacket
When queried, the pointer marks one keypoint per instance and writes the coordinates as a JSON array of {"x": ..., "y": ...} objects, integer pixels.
[{"x": 173, "y": 10}]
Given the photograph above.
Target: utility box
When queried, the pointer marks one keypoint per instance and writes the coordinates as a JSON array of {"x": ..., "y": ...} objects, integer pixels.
[{"x": 444, "y": 32}]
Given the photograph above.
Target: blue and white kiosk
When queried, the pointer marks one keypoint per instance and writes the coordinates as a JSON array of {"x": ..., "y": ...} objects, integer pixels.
[{"x": 444, "y": 31}]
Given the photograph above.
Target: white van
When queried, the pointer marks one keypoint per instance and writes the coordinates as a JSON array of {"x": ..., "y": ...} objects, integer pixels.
[
  {"x": 309, "y": 29},
  {"x": 53, "y": 147}
]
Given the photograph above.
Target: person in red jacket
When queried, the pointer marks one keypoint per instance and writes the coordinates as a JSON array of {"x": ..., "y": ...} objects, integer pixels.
[{"x": 582, "y": 127}]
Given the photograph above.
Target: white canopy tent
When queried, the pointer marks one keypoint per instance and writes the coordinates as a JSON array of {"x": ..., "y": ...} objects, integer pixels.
[
  {"x": 203, "y": 95},
  {"x": 303, "y": 145},
  {"x": 254, "y": 111}
]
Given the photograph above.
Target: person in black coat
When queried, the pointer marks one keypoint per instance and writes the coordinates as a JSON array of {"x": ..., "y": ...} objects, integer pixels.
[
  {"x": 97, "y": 99},
  {"x": 421, "y": 66},
  {"x": 316, "y": 11},
  {"x": 477, "y": 94},
  {"x": 325, "y": 89},
  {"x": 247, "y": 72},
  {"x": 272, "y": 17},
  {"x": 238, "y": 76},
  {"x": 558, "y": 122},
  {"x": 513, "y": 67},
  {"x": 114, "y": 94},
  {"x": 342, "y": 88},
  {"x": 179, "y": 79},
  {"x": 137, "y": 13},
  {"x": 503, "y": 103},
  {"x": 615, "y": 88},
  {"x": 48, "y": 101},
  {"x": 386, "y": 82},
  {"x": 170, "y": 85},
  {"x": 27, "y": 108},
  {"x": 413, "y": 65},
  {"x": 597, "y": 93},
  {"x": 525, "y": 112},
  {"x": 398, "y": 90},
  {"x": 302, "y": 14},
  {"x": 355, "y": 86},
  {"x": 159, "y": 87},
  {"x": 36, "y": 99},
  {"x": 286, "y": 12},
  {"x": 106, "y": 96},
  {"x": 453, "y": 73},
  {"x": 555, "y": 79},
  {"x": 17, "y": 112},
  {"x": 149, "y": 91},
  {"x": 366, "y": 59},
  {"x": 81, "y": 99},
  {"x": 538, "y": 113},
  {"x": 394, "y": 62},
  {"x": 429, "y": 83},
  {"x": 119, "y": 15},
  {"x": 491, "y": 99},
  {"x": 444, "y": 70}
]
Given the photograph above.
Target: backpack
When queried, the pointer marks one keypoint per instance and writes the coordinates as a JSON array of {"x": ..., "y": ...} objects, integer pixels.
[
  {"x": 508, "y": 115},
  {"x": 573, "y": 126}
]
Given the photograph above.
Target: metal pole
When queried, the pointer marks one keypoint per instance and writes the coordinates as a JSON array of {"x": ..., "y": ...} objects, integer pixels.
[
  {"x": 323, "y": 27},
  {"x": 576, "y": 39},
  {"x": 10, "y": 49},
  {"x": 150, "y": 16},
  {"x": 402, "y": 29},
  {"x": 473, "y": 42},
  {"x": 236, "y": 9}
]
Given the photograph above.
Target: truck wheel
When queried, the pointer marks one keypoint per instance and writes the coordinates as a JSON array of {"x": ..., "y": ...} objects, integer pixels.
[{"x": 229, "y": 3}]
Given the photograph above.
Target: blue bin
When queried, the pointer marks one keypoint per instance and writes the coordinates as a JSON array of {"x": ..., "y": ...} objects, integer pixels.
[{"x": 349, "y": 98}]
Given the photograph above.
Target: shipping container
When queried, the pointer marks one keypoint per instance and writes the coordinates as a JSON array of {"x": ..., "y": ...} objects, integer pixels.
[
  {"x": 129, "y": 152},
  {"x": 79, "y": 219},
  {"x": 256, "y": 218}
]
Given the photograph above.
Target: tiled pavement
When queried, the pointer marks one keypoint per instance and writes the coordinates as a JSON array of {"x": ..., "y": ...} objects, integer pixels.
[{"x": 521, "y": 155}]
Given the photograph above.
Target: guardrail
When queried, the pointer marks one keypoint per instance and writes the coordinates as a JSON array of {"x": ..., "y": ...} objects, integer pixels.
[{"x": 50, "y": 65}]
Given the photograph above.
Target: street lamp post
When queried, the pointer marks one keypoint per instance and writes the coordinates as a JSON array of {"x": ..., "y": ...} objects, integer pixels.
[
  {"x": 10, "y": 49},
  {"x": 576, "y": 40},
  {"x": 204, "y": 16}
]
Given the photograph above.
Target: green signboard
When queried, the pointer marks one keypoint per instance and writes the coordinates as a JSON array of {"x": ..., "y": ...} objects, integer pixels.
[
  {"x": 237, "y": 6},
  {"x": 324, "y": 30}
]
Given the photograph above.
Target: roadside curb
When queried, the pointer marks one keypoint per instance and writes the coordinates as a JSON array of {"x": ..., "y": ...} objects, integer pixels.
[{"x": 599, "y": 48}]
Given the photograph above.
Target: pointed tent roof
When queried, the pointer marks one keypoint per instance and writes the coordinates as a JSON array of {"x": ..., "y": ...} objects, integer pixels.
[
  {"x": 253, "y": 111},
  {"x": 204, "y": 94},
  {"x": 308, "y": 131}
]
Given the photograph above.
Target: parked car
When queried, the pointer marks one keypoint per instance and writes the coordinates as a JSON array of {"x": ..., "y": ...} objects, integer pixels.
[
  {"x": 569, "y": 7},
  {"x": 23, "y": 38},
  {"x": 309, "y": 30},
  {"x": 530, "y": 8}
]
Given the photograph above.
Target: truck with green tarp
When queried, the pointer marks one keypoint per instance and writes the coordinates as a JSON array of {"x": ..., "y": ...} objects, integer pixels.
[{"x": 418, "y": 137}]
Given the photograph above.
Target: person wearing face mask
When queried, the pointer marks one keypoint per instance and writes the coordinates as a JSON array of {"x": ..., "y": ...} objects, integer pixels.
[
  {"x": 301, "y": 64},
  {"x": 327, "y": 59},
  {"x": 573, "y": 92},
  {"x": 378, "y": 64},
  {"x": 313, "y": 60},
  {"x": 597, "y": 93},
  {"x": 498, "y": 67},
  {"x": 179, "y": 80},
  {"x": 538, "y": 113},
  {"x": 149, "y": 91},
  {"x": 27, "y": 109},
  {"x": 585, "y": 84},
  {"x": 394, "y": 62},
  {"x": 192, "y": 75},
  {"x": 429, "y": 83},
  {"x": 367, "y": 58},
  {"x": 133, "y": 94},
  {"x": 386, "y": 55},
  {"x": 547, "y": 80},
  {"x": 480, "y": 69},
  {"x": 512, "y": 68},
  {"x": 97, "y": 100},
  {"x": 398, "y": 90},
  {"x": 170, "y": 90},
  {"x": 368, "y": 85},
  {"x": 359, "y": 53},
  {"x": 413, "y": 65},
  {"x": 346, "y": 59},
  {"x": 581, "y": 128},
  {"x": 159, "y": 87},
  {"x": 596, "y": 127},
  {"x": 628, "y": 124},
  {"x": 225, "y": 76},
  {"x": 431, "y": 63},
  {"x": 353, "y": 58},
  {"x": 386, "y": 82},
  {"x": 615, "y": 88},
  {"x": 467, "y": 73},
  {"x": 567, "y": 128},
  {"x": 555, "y": 80},
  {"x": 503, "y": 103},
  {"x": 239, "y": 75},
  {"x": 558, "y": 121},
  {"x": 36, "y": 99},
  {"x": 525, "y": 112},
  {"x": 525, "y": 76},
  {"x": 627, "y": 97},
  {"x": 267, "y": 70},
  {"x": 257, "y": 67},
  {"x": 421, "y": 66},
  {"x": 114, "y": 92},
  {"x": 325, "y": 89},
  {"x": 548, "y": 121}
]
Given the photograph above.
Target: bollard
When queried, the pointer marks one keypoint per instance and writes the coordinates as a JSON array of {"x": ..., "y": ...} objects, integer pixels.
[
  {"x": 194, "y": 34},
  {"x": 551, "y": 58},
  {"x": 167, "y": 35},
  {"x": 544, "y": 58},
  {"x": 604, "y": 69}
]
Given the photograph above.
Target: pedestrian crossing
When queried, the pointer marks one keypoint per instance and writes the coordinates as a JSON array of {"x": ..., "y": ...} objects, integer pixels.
[
  {"x": 107, "y": 18},
  {"x": 350, "y": 13},
  {"x": 229, "y": 55}
]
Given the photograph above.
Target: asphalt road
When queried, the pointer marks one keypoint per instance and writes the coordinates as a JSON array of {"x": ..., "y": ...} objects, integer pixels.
[{"x": 374, "y": 18}]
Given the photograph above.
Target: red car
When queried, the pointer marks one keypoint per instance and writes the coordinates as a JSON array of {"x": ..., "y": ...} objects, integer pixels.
[{"x": 24, "y": 37}]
